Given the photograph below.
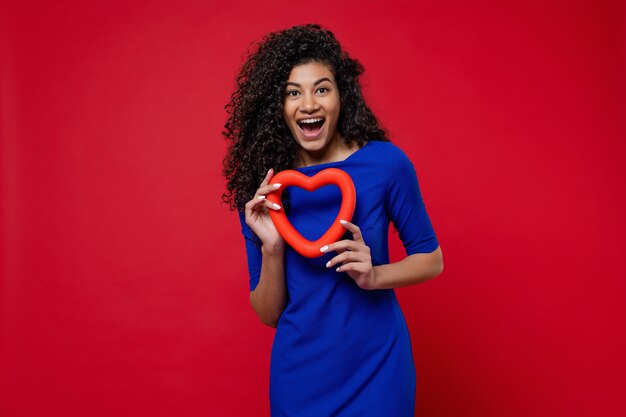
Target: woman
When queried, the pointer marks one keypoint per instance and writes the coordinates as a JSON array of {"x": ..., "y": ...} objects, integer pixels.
[{"x": 341, "y": 346}]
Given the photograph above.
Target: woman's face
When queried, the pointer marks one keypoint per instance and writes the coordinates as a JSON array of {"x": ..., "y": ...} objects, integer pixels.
[{"x": 312, "y": 106}]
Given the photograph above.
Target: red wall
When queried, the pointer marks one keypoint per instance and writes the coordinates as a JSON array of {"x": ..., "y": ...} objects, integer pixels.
[{"x": 123, "y": 285}]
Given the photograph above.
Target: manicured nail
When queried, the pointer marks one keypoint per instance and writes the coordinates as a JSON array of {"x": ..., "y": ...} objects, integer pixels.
[
  {"x": 324, "y": 248},
  {"x": 261, "y": 197},
  {"x": 343, "y": 222},
  {"x": 337, "y": 269},
  {"x": 328, "y": 264},
  {"x": 277, "y": 185},
  {"x": 276, "y": 206}
]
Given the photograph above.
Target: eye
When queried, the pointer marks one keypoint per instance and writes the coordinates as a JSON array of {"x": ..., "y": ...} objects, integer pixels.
[
  {"x": 322, "y": 90},
  {"x": 292, "y": 93}
]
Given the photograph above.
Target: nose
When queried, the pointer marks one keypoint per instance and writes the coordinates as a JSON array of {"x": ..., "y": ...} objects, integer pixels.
[{"x": 308, "y": 104}]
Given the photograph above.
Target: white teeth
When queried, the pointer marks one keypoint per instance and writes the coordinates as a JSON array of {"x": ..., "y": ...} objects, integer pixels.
[{"x": 319, "y": 119}]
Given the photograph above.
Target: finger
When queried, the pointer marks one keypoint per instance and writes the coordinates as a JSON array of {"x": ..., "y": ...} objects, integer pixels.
[
  {"x": 356, "y": 231},
  {"x": 266, "y": 189},
  {"x": 250, "y": 205},
  {"x": 347, "y": 257},
  {"x": 271, "y": 205},
  {"x": 251, "y": 211},
  {"x": 351, "y": 266},
  {"x": 268, "y": 176},
  {"x": 250, "y": 208},
  {"x": 260, "y": 201},
  {"x": 336, "y": 260},
  {"x": 346, "y": 244},
  {"x": 267, "y": 203}
]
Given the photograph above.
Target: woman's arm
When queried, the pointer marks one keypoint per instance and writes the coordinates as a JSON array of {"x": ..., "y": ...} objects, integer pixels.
[
  {"x": 413, "y": 269},
  {"x": 270, "y": 295},
  {"x": 355, "y": 259}
]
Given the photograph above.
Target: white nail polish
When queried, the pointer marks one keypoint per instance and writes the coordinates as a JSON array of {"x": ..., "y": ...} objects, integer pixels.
[
  {"x": 276, "y": 206},
  {"x": 337, "y": 269},
  {"x": 328, "y": 264},
  {"x": 277, "y": 185},
  {"x": 261, "y": 197},
  {"x": 343, "y": 222},
  {"x": 324, "y": 248}
]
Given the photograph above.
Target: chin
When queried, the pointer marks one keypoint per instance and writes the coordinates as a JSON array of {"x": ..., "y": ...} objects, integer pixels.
[{"x": 313, "y": 145}]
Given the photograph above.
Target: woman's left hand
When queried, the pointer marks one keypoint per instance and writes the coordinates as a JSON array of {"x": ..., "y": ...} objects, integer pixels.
[{"x": 354, "y": 257}]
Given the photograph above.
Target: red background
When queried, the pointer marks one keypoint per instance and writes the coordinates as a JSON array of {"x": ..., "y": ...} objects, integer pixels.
[{"x": 124, "y": 289}]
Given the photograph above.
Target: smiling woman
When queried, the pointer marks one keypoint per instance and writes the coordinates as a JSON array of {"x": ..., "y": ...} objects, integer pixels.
[
  {"x": 342, "y": 345},
  {"x": 259, "y": 136},
  {"x": 311, "y": 107}
]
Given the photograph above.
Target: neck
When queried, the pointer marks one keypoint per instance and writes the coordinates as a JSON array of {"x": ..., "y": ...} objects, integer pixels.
[{"x": 336, "y": 150}]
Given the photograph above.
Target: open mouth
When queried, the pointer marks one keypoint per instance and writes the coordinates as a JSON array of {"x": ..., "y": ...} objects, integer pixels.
[{"x": 311, "y": 127}]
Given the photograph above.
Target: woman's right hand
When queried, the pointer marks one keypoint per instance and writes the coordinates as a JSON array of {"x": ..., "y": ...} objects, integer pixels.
[{"x": 257, "y": 215}]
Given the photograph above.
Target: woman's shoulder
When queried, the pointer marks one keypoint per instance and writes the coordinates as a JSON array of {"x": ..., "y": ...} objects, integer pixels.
[{"x": 388, "y": 152}]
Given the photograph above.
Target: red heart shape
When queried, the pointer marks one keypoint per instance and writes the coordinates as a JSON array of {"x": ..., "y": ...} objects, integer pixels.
[{"x": 325, "y": 177}]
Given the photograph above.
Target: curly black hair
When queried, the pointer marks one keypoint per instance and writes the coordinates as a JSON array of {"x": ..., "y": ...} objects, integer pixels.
[{"x": 258, "y": 136}]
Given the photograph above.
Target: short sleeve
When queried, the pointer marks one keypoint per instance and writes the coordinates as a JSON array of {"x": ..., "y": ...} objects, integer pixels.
[
  {"x": 405, "y": 206},
  {"x": 253, "y": 252}
]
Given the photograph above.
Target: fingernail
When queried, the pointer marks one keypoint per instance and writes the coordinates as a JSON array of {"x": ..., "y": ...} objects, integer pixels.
[
  {"x": 324, "y": 248},
  {"x": 343, "y": 222},
  {"x": 328, "y": 264},
  {"x": 337, "y": 269},
  {"x": 277, "y": 185},
  {"x": 261, "y": 197},
  {"x": 276, "y": 206}
]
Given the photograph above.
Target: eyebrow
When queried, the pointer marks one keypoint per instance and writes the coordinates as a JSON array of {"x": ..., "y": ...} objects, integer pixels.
[{"x": 314, "y": 84}]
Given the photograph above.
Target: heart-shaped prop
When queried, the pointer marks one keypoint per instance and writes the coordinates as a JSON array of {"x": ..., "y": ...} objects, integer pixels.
[{"x": 325, "y": 177}]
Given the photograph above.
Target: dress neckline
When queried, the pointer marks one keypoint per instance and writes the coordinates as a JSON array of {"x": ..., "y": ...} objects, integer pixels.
[{"x": 330, "y": 164}]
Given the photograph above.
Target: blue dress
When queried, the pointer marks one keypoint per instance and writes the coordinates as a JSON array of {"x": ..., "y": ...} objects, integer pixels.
[{"x": 340, "y": 350}]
